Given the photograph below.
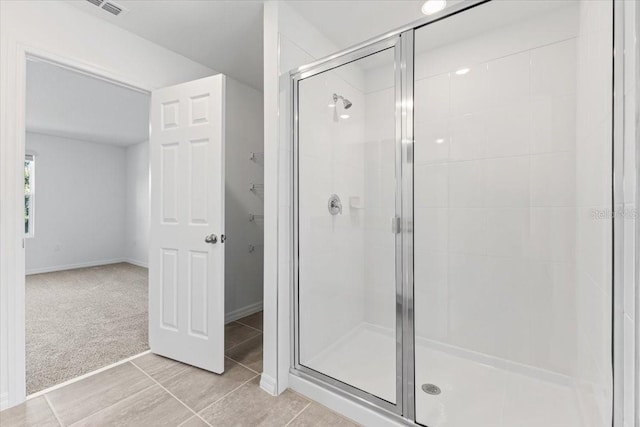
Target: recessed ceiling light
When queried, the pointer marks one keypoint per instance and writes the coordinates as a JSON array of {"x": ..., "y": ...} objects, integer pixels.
[
  {"x": 439, "y": 140},
  {"x": 433, "y": 6},
  {"x": 462, "y": 71},
  {"x": 331, "y": 105},
  {"x": 344, "y": 116}
]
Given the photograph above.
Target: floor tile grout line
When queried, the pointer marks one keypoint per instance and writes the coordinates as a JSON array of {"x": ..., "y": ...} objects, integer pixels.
[
  {"x": 190, "y": 418},
  {"x": 244, "y": 366},
  {"x": 298, "y": 414},
  {"x": 53, "y": 410},
  {"x": 228, "y": 394},
  {"x": 100, "y": 410},
  {"x": 311, "y": 401},
  {"x": 242, "y": 342},
  {"x": 172, "y": 395},
  {"x": 185, "y": 367},
  {"x": 112, "y": 405},
  {"x": 249, "y": 326}
]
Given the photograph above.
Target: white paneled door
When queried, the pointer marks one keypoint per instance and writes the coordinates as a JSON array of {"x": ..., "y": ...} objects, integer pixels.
[{"x": 186, "y": 251}]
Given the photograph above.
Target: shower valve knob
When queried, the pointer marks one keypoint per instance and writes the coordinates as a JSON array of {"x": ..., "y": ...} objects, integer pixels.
[{"x": 334, "y": 205}]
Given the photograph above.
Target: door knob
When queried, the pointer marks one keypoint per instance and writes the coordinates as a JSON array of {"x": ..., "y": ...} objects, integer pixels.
[{"x": 211, "y": 238}]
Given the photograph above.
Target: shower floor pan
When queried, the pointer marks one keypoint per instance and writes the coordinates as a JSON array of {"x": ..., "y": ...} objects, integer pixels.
[{"x": 472, "y": 393}]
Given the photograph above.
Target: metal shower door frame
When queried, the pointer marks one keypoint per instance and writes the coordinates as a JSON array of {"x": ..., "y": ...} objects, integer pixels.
[
  {"x": 402, "y": 43},
  {"x": 405, "y": 410}
]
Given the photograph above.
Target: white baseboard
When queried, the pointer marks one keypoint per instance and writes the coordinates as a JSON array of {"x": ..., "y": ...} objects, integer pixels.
[
  {"x": 268, "y": 384},
  {"x": 4, "y": 401},
  {"x": 51, "y": 269},
  {"x": 242, "y": 312},
  {"x": 85, "y": 265},
  {"x": 136, "y": 262}
]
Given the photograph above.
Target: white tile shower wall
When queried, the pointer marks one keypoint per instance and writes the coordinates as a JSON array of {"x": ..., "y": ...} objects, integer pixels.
[
  {"x": 380, "y": 200},
  {"x": 331, "y": 159},
  {"x": 495, "y": 189}
]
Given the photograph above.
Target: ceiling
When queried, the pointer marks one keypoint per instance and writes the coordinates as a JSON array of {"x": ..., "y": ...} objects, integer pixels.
[
  {"x": 482, "y": 19},
  {"x": 69, "y": 104},
  {"x": 226, "y": 35},
  {"x": 347, "y": 23},
  {"x": 223, "y": 35}
]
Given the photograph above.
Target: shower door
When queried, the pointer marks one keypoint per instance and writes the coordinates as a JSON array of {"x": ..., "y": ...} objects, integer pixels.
[{"x": 350, "y": 242}]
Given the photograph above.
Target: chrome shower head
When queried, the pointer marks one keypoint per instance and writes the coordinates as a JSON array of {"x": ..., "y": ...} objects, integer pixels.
[{"x": 345, "y": 102}]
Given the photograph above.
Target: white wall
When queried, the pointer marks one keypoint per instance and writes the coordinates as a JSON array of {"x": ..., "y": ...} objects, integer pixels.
[
  {"x": 593, "y": 221},
  {"x": 79, "y": 206},
  {"x": 290, "y": 41},
  {"x": 136, "y": 227},
  {"x": 88, "y": 189},
  {"x": 62, "y": 31},
  {"x": 243, "y": 269}
]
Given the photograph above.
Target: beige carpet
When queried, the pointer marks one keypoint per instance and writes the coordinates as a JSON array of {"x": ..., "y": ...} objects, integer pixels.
[{"x": 81, "y": 320}]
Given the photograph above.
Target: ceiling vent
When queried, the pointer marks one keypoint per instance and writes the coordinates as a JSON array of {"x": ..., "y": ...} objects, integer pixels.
[
  {"x": 109, "y": 6},
  {"x": 112, "y": 8}
]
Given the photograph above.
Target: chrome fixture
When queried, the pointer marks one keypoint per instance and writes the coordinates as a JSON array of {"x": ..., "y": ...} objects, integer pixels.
[
  {"x": 211, "y": 238},
  {"x": 345, "y": 102},
  {"x": 334, "y": 205}
]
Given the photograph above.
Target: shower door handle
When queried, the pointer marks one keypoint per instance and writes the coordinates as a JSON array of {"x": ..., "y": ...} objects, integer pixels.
[{"x": 395, "y": 225}]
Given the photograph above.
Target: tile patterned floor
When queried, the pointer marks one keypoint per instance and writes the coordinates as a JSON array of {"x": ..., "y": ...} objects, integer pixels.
[{"x": 154, "y": 391}]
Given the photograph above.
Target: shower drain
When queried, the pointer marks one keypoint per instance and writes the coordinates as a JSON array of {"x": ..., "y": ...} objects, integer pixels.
[{"x": 431, "y": 389}]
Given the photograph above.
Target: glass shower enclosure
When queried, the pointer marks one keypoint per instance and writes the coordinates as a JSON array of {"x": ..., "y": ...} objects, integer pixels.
[{"x": 451, "y": 266}]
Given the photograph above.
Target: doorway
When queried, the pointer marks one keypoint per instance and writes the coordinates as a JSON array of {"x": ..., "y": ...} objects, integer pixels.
[
  {"x": 237, "y": 291},
  {"x": 86, "y": 223}
]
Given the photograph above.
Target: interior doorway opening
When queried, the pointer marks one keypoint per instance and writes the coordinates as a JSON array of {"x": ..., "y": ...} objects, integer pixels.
[{"x": 86, "y": 223}]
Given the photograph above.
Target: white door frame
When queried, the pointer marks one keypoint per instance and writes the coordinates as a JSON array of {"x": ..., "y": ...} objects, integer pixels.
[{"x": 12, "y": 261}]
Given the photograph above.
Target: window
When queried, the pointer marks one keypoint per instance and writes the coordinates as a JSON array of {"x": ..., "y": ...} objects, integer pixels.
[{"x": 29, "y": 169}]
